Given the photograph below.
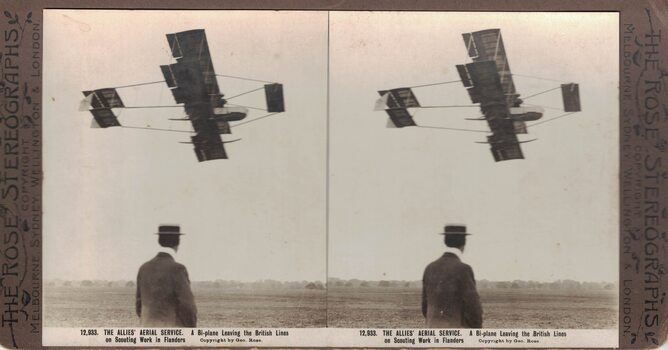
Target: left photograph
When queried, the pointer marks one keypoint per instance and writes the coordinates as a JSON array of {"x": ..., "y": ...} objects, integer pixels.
[{"x": 184, "y": 169}]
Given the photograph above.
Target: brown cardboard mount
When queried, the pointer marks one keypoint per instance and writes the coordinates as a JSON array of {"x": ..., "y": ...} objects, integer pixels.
[{"x": 643, "y": 120}]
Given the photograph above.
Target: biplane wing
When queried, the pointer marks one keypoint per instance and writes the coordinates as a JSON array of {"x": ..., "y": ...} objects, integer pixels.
[
  {"x": 192, "y": 81},
  {"x": 485, "y": 88},
  {"x": 208, "y": 146},
  {"x": 489, "y": 83},
  {"x": 487, "y": 45},
  {"x": 504, "y": 146}
]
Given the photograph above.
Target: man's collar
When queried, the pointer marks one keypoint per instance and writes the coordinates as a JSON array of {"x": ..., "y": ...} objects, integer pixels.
[
  {"x": 166, "y": 250},
  {"x": 454, "y": 251}
]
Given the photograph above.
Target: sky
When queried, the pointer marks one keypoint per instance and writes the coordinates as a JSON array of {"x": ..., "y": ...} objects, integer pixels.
[
  {"x": 553, "y": 215},
  {"x": 258, "y": 215},
  {"x": 280, "y": 208}
]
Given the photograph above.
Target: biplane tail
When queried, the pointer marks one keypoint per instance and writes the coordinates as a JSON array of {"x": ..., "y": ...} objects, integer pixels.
[
  {"x": 100, "y": 102},
  {"x": 85, "y": 104},
  {"x": 400, "y": 118},
  {"x": 103, "y": 98},
  {"x": 399, "y": 98},
  {"x": 396, "y": 103},
  {"x": 381, "y": 103},
  {"x": 105, "y": 118}
]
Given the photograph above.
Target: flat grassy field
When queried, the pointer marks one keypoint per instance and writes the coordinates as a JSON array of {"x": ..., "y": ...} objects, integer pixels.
[
  {"x": 502, "y": 308},
  {"x": 115, "y": 307},
  {"x": 354, "y": 307}
]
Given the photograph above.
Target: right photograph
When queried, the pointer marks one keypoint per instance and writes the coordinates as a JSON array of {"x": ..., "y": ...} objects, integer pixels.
[{"x": 473, "y": 170}]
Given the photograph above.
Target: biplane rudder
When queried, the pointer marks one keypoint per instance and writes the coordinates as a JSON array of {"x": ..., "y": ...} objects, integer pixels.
[
  {"x": 274, "y": 96},
  {"x": 571, "y": 96}
]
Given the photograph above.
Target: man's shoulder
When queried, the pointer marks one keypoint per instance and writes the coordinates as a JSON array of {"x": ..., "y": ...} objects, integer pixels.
[
  {"x": 162, "y": 261},
  {"x": 147, "y": 264},
  {"x": 172, "y": 264},
  {"x": 167, "y": 266},
  {"x": 176, "y": 267},
  {"x": 449, "y": 260},
  {"x": 464, "y": 268},
  {"x": 442, "y": 260},
  {"x": 432, "y": 264}
]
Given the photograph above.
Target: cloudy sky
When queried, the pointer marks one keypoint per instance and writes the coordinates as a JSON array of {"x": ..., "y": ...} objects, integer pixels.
[{"x": 263, "y": 212}]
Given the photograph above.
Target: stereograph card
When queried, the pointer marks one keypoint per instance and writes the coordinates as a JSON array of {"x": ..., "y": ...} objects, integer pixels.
[{"x": 333, "y": 174}]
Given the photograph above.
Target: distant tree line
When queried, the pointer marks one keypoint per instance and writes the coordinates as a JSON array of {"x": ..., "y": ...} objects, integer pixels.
[
  {"x": 221, "y": 284},
  {"x": 559, "y": 284},
  {"x": 481, "y": 284},
  {"x": 342, "y": 283}
]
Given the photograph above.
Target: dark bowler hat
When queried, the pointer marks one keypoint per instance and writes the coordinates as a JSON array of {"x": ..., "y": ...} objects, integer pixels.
[
  {"x": 169, "y": 230},
  {"x": 455, "y": 230}
]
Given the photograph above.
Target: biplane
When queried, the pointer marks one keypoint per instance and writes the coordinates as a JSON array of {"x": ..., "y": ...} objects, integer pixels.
[
  {"x": 490, "y": 85},
  {"x": 193, "y": 84}
]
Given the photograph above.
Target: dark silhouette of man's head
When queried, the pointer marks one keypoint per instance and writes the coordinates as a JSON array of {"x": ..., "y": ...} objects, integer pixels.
[
  {"x": 169, "y": 241},
  {"x": 455, "y": 241},
  {"x": 169, "y": 236},
  {"x": 455, "y": 236}
]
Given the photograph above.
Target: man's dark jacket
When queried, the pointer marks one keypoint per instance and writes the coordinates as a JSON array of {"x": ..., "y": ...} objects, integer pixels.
[
  {"x": 449, "y": 296},
  {"x": 164, "y": 298}
]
